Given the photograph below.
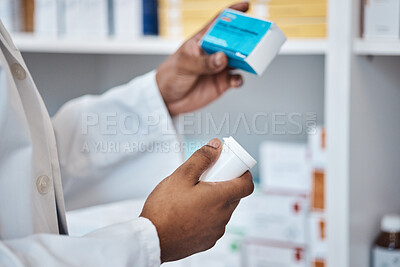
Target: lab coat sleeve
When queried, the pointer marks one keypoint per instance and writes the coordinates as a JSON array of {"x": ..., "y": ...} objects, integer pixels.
[
  {"x": 133, "y": 243},
  {"x": 116, "y": 146}
]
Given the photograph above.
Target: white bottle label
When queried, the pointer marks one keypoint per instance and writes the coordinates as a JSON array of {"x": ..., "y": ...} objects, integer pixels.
[{"x": 383, "y": 257}]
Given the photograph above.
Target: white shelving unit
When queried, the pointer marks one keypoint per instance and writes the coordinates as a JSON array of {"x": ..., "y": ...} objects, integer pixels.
[
  {"x": 377, "y": 48},
  {"x": 361, "y": 108},
  {"x": 141, "y": 46}
]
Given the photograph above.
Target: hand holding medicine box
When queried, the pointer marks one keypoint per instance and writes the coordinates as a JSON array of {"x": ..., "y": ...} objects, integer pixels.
[{"x": 249, "y": 43}]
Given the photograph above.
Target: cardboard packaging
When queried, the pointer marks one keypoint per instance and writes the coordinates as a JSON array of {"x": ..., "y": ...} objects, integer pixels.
[
  {"x": 180, "y": 18},
  {"x": 318, "y": 159},
  {"x": 296, "y": 18},
  {"x": 311, "y": 30},
  {"x": 88, "y": 18},
  {"x": 150, "y": 17},
  {"x": 128, "y": 18},
  {"x": 318, "y": 240},
  {"x": 265, "y": 254},
  {"x": 317, "y": 147},
  {"x": 71, "y": 15},
  {"x": 6, "y": 14},
  {"x": 46, "y": 17},
  {"x": 249, "y": 43},
  {"x": 297, "y": 10},
  {"x": 95, "y": 17},
  {"x": 318, "y": 190},
  {"x": 382, "y": 19},
  {"x": 28, "y": 7},
  {"x": 284, "y": 168},
  {"x": 318, "y": 263},
  {"x": 295, "y": 2},
  {"x": 278, "y": 218}
]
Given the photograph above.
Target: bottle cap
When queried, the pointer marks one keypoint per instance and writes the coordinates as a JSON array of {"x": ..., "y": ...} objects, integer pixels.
[
  {"x": 391, "y": 223},
  {"x": 240, "y": 152}
]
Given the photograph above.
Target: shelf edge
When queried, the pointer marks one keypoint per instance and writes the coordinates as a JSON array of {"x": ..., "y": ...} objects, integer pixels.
[
  {"x": 141, "y": 46},
  {"x": 376, "y": 48}
]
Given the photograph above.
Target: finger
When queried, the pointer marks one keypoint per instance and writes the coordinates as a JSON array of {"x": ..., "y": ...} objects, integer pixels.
[
  {"x": 200, "y": 161},
  {"x": 235, "y": 80},
  {"x": 242, "y": 6},
  {"x": 204, "y": 64},
  {"x": 225, "y": 81},
  {"x": 238, "y": 188}
]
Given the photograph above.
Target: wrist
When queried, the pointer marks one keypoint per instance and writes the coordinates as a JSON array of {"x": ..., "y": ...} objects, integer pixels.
[{"x": 162, "y": 87}]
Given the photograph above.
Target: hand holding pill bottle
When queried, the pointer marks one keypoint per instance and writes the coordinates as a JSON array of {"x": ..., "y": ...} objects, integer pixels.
[
  {"x": 190, "y": 216},
  {"x": 233, "y": 162}
]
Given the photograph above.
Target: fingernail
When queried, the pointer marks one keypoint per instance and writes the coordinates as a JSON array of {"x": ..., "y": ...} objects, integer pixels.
[
  {"x": 215, "y": 143},
  {"x": 237, "y": 81},
  {"x": 218, "y": 59}
]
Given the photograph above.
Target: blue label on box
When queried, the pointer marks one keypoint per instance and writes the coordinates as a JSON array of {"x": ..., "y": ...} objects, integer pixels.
[{"x": 236, "y": 35}]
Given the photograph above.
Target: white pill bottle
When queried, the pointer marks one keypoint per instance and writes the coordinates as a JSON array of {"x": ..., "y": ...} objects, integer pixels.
[{"x": 233, "y": 162}]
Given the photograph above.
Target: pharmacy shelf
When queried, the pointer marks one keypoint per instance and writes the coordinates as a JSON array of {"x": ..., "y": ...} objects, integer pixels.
[
  {"x": 305, "y": 47},
  {"x": 377, "y": 48},
  {"x": 143, "y": 45}
]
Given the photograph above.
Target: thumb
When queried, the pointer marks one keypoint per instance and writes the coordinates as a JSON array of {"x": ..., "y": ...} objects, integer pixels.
[
  {"x": 200, "y": 161},
  {"x": 206, "y": 64}
]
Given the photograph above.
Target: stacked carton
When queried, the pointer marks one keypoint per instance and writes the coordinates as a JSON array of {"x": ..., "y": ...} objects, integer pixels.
[
  {"x": 296, "y": 18},
  {"x": 81, "y": 18},
  {"x": 279, "y": 232},
  {"x": 381, "y": 19},
  {"x": 317, "y": 216},
  {"x": 84, "y": 18},
  {"x": 183, "y": 18},
  {"x": 9, "y": 14},
  {"x": 291, "y": 215}
]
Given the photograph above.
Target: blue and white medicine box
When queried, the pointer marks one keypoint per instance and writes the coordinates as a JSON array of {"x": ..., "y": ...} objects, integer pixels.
[{"x": 249, "y": 43}]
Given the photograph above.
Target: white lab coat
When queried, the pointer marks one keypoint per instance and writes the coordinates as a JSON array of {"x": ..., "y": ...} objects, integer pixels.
[{"x": 36, "y": 152}]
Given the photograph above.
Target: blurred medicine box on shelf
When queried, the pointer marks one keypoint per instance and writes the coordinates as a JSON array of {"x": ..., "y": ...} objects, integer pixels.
[
  {"x": 281, "y": 218},
  {"x": 285, "y": 167},
  {"x": 258, "y": 254},
  {"x": 318, "y": 246},
  {"x": 317, "y": 147},
  {"x": 382, "y": 19}
]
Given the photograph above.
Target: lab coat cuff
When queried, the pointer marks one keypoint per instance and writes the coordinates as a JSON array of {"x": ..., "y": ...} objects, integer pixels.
[
  {"x": 151, "y": 242},
  {"x": 154, "y": 95},
  {"x": 168, "y": 125},
  {"x": 172, "y": 125}
]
